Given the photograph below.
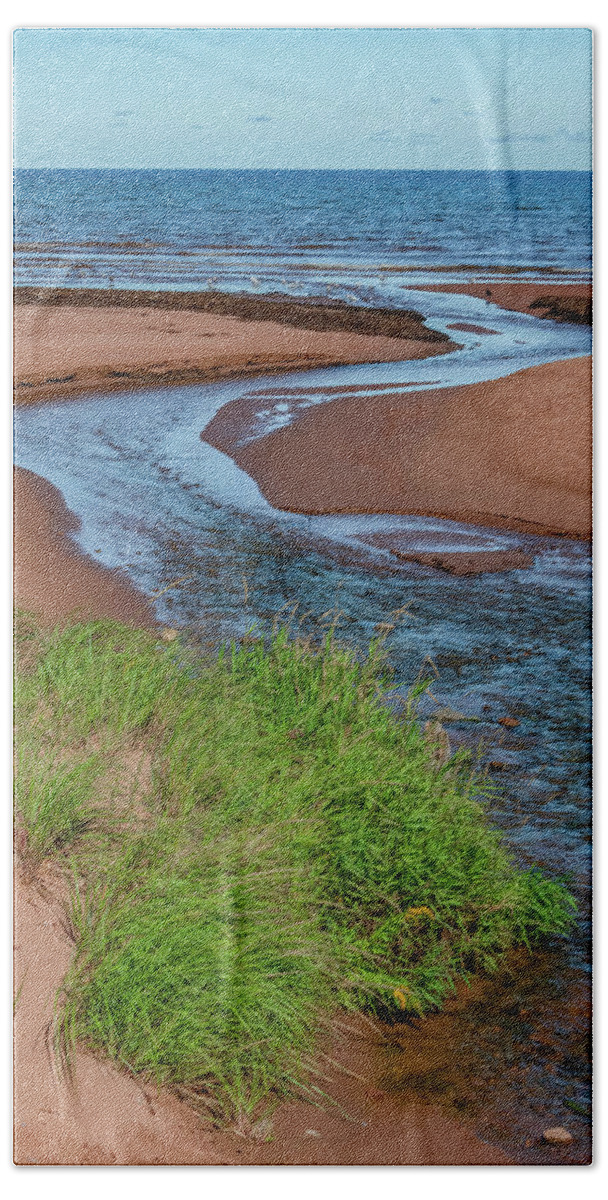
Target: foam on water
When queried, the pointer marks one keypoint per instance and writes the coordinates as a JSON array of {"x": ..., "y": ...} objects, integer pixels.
[{"x": 191, "y": 529}]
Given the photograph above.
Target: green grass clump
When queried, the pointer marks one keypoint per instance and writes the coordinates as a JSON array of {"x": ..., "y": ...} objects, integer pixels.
[
  {"x": 52, "y": 799},
  {"x": 301, "y": 851},
  {"x": 213, "y": 975}
]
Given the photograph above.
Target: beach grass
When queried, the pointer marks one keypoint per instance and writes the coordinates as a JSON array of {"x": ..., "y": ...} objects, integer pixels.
[{"x": 253, "y": 843}]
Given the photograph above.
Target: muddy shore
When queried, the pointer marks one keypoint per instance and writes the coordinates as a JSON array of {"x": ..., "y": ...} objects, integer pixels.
[
  {"x": 511, "y": 453},
  {"x": 71, "y": 341},
  {"x": 101, "y": 1115},
  {"x": 561, "y": 302},
  {"x": 52, "y": 578}
]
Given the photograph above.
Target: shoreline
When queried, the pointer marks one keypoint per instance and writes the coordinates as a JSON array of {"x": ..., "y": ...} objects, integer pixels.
[
  {"x": 58, "y": 1119},
  {"x": 52, "y": 577},
  {"x": 510, "y": 453},
  {"x": 550, "y": 301},
  {"x": 69, "y": 342}
]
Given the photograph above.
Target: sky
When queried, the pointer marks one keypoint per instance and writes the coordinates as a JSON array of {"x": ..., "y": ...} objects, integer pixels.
[{"x": 303, "y": 98}]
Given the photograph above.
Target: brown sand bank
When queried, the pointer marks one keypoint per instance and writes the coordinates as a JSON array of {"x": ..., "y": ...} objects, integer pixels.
[
  {"x": 513, "y": 452},
  {"x": 101, "y": 1115},
  {"x": 461, "y": 562},
  {"x": 70, "y": 341},
  {"x": 105, "y": 1116},
  {"x": 557, "y": 302},
  {"x": 52, "y": 577}
]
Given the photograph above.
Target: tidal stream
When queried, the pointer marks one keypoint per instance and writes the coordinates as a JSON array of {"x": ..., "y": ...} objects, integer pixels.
[{"x": 194, "y": 533}]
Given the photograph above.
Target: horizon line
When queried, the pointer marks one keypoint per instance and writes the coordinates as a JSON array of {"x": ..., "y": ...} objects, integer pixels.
[{"x": 336, "y": 170}]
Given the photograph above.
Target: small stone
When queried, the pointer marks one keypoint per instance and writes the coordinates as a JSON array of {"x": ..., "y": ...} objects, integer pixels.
[
  {"x": 508, "y": 722},
  {"x": 449, "y": 714},
  {"x": 558, "y": 1136},
  {"x": 312, "y": 1133},
  {"x": 436, "y": 738},
  {"x": 169, "y": 635},
  {"x": 262, "y": 1130}
]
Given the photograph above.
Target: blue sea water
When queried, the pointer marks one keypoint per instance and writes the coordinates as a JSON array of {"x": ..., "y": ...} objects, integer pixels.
[
  {"x": 360, "y": 234},
  {"x": 164, "y": 506}
]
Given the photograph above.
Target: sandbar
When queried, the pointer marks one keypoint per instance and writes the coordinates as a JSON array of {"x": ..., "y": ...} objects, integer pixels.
[
  {"x": 555, "y": 302},
  {"x": 512, "y": 453},
  {"x": 72, "y": 341}
]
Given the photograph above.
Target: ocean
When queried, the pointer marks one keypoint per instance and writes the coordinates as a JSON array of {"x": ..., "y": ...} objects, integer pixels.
[
  {"x": 357, "y": 235},
  {"x": 159, "y": 503}
]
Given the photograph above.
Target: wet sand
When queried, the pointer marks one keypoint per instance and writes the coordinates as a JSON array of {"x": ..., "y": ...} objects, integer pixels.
[
  {"x": 101, "y": 1115},
  {"x": 512, "y": 453},
  {"x": 556, "y": 302},
  {"x": 53, "y": 579},
  {"x": 72, "y": 341},
  {"x": 105, "y": 1116}
]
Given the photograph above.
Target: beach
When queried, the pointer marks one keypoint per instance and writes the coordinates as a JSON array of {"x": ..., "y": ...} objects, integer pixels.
[
  {"x": 302, "y": 814},
  {"x": 345, "y": 456},
  {"x": 73, "y": 341},
  {"x": 51, "y": 577},
  {"x": 563, "y": 302},
  {"x": 59, "y": 1118},
  {"x": 512, "y": 453}
]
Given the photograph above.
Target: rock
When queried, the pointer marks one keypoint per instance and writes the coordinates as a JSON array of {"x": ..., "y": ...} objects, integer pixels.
[
  {"x": 508, "y": 722},
  {"x": 436, "y": 738},
  {"x": 312, "y": 1133},
  {"x": 468, "y": 562},
  {"x": 558, "y": 1136},
  {"x": 169, "y": 635},
  {"x": 449, "y": 714}
]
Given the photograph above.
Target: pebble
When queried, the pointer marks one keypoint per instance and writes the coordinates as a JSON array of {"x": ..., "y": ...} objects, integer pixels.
[
  {"x": 169, "y": 635},
  {"x": 558, "y": 1136},
  {"x": 449, "y": 714},
  {"x": 508, "y": 722},
  {"x": 262, "y": 1130},
  {"x": 437, "y": 739}
]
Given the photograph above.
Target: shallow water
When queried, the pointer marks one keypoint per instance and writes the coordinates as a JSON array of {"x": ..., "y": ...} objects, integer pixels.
[
  {"x": 358, "y": 234},
  {"x": 194, "y": 532}
]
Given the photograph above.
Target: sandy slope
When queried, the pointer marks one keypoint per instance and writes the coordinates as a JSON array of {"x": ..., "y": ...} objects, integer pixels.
[
  {"x": 52, "y": 578},
  {"x": 65, "y": 349},
  {"x": 513, "y": 452}
]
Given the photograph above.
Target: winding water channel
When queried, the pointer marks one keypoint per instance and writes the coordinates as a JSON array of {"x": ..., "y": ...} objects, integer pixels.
[{"x": 194, "y": 532}]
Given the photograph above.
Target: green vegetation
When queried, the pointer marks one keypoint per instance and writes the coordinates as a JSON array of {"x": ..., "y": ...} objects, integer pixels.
[{"x": 253, "y": 843}]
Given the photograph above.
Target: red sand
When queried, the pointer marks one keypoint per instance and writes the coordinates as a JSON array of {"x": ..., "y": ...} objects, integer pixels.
[
  {"x": 559, "y": 302},
  {"x": 52, "y": 577},
  {"x": 104, "y": 1116},
  {"x": 63, "y": 350},
  {"x": 469, "y": 562},
  {"x": 514, "y": 452}
]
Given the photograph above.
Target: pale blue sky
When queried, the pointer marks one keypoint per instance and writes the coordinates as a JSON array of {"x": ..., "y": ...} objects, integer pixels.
[{"x": 307, "y": 98}]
